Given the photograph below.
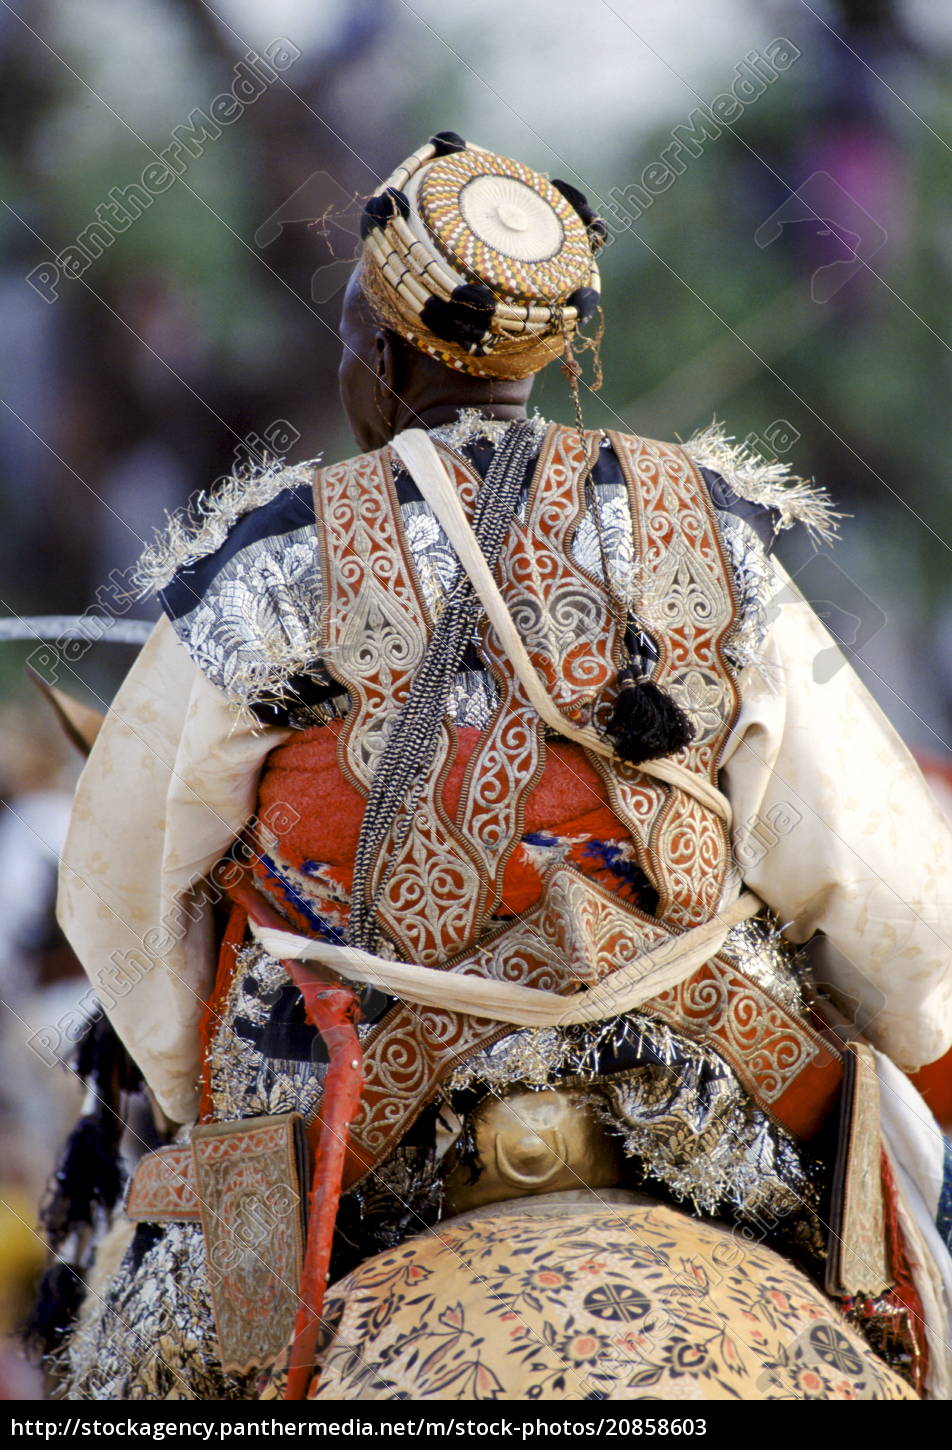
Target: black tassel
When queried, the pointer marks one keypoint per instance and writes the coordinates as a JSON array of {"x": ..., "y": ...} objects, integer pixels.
[
  {"x": 87, "y": 1184},
  {"x": 88, "y": 1180},
  {"x": 88, "y": 1175},
  {"x": 145, "y": 1238},
  {"x": 101, "y": 1059},
  {"x": 646, "y": 723},
  {"x": 58, "y": 1300}
]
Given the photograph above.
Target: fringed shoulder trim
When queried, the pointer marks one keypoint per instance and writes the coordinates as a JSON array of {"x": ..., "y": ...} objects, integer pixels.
[
  {"x": 202, "y": 526},
  {"x": 770, "y": 483}
]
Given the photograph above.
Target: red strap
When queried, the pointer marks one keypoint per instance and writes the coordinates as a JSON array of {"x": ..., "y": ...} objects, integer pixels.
[
  {"x": 334, "y": 1010},
  {"x": 211, "y": 1016}
]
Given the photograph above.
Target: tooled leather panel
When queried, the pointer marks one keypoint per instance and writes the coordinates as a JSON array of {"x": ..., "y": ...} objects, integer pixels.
[
  {"x": 375, "y": 630},
  {"x": 576, "y": 935},
  {"x": 554, "y": 610},
  {"x": 694, "y": 610},
  {"x": 448, "y": 873}
]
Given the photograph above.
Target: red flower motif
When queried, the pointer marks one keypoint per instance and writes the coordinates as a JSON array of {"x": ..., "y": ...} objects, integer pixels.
[
  {"x": 629, "y": 1341},
  {"x": 548, "y": 1278}
]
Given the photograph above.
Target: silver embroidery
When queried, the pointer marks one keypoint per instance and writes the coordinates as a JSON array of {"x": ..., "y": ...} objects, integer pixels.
[
  {"x": 705, "y": 1141},
  {"x": 755, "y": 583},
  {"x": 245, "y": 1083},
  {"x": 473, "y": 698},
  {"x": 619, "y": 543},
  {"x": 256, "y": 626},
  {"x": 153, "y": 1335},
  {"x": 470, "y": 426},
  {"x": 198, "y": 530},
  {"x": 762, "y": 953}
]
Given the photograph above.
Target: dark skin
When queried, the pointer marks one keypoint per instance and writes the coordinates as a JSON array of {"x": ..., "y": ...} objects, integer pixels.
[{"x": 386, "y": 385}]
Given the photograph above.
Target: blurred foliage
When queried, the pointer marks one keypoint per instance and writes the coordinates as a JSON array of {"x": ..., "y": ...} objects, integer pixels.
[{"x": 184, "y": 337}]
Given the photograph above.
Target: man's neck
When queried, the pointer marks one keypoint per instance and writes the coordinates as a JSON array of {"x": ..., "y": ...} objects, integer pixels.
[{"x": 434, "y": 414}]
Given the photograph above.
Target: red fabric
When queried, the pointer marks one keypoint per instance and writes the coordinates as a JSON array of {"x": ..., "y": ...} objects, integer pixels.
[
  {"x": 904, "y": 1291},
  {"x": 305, "y": 773},
  {"x": 568, "y": 800},
  {"x": 211, "y": 1016}
]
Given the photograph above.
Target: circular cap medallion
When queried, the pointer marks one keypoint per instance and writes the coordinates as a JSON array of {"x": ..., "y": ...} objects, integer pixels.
[
  {"x": 498, "y": 222},
  {"x": 511, "y": 218}
]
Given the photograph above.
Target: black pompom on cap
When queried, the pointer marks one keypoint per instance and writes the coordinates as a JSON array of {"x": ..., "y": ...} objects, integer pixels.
[
  {"x": 596, "y": 228},
  {"x": 577, "y": 199},
  {"x": 463, "y": 318},
  {"x": 585, "y": 300},
  {"x": 381, "y": 209},
  {"x": 444, "y": 143}
]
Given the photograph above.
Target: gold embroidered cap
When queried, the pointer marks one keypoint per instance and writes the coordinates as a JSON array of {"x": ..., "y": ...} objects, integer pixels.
[{"x": 479, "y": 260}]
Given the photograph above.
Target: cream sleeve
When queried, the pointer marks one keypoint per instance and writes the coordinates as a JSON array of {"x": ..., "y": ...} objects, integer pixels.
[
  {"x": 171, "y": 780},
  {"x": 836, "y": 829}
]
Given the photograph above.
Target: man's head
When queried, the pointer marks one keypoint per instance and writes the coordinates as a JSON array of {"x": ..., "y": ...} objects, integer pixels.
[
  {"x": 475, "y": 273},
  {"x": 387, "y": 385}
]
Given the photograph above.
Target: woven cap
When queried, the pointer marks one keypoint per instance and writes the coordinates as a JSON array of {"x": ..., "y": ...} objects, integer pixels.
[{"x": 479, "y": 260}]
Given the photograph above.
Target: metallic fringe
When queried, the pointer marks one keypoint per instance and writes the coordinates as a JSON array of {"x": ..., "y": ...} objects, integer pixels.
[
  {"x": 471, "y": 426},
  {"x": 531, "y": 1058},
  {"x": 766, "y": 482},
  {"x": 202, "y": 526},
  {"x": 268, "y": 680}
]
